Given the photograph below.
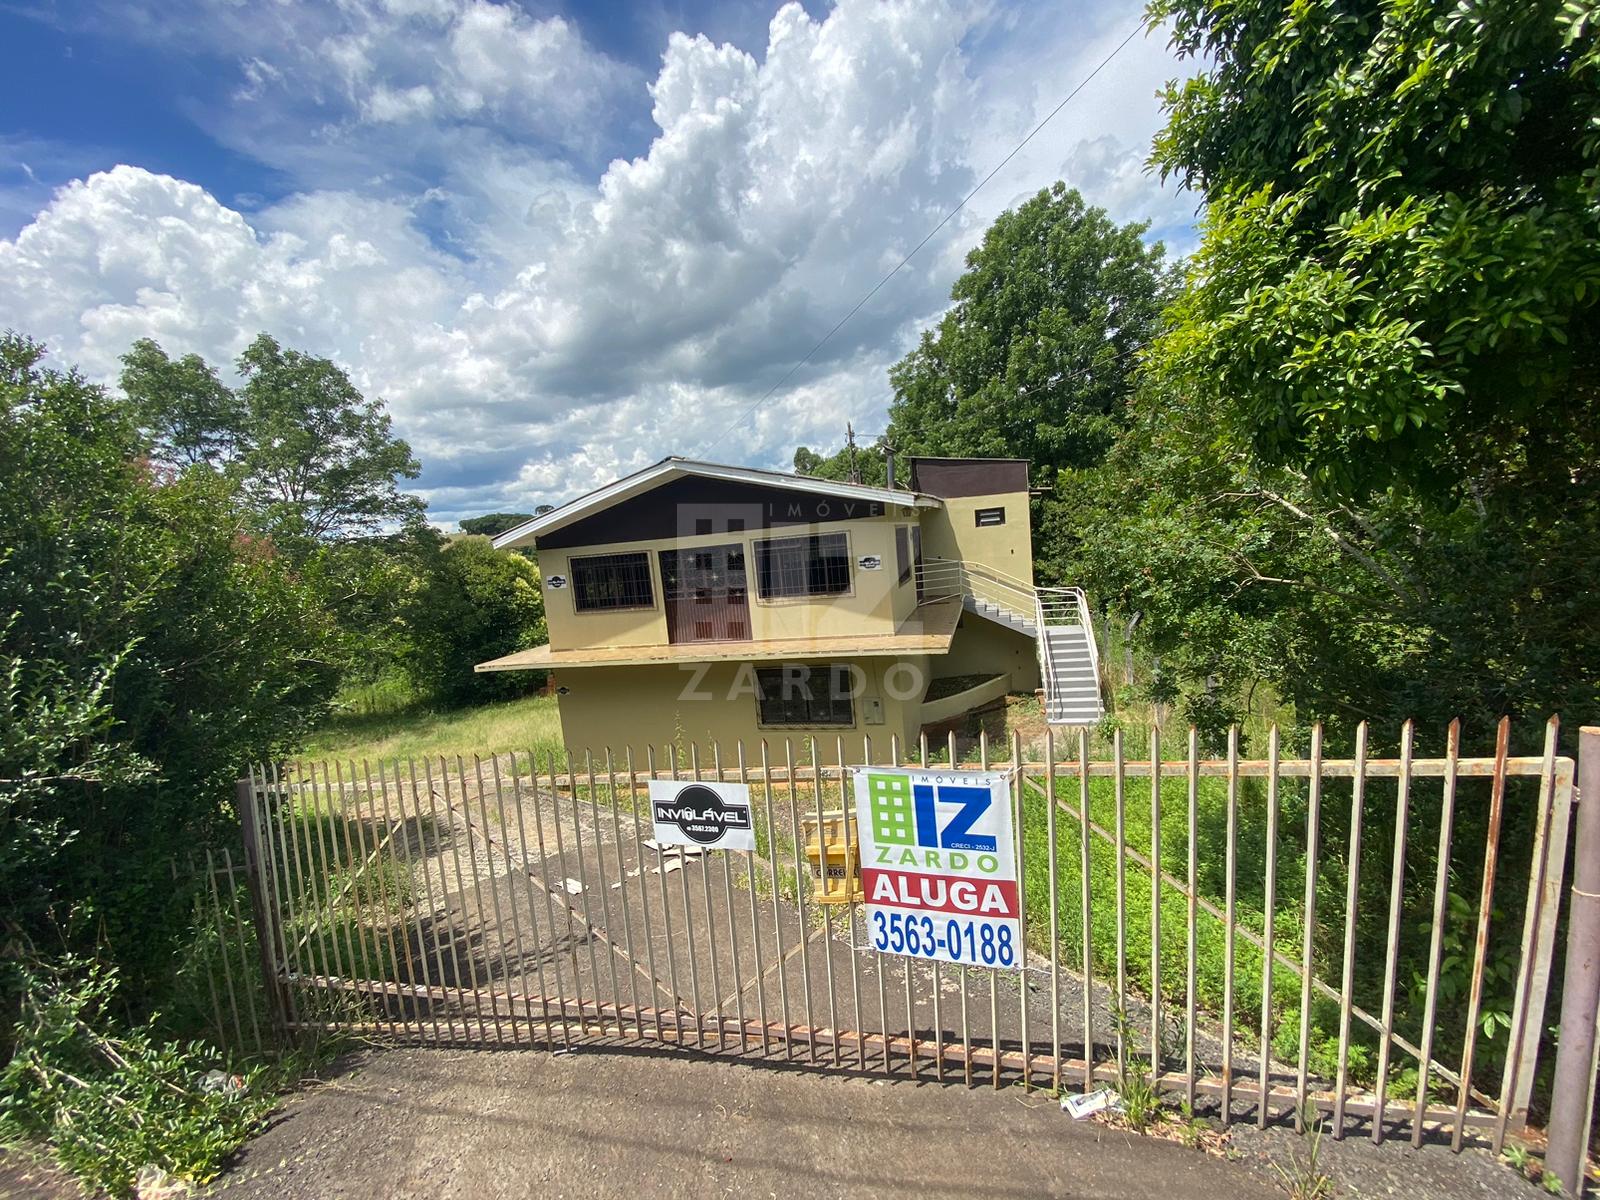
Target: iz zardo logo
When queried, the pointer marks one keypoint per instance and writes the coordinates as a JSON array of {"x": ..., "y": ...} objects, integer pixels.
[{"x": 930, "y": 825}]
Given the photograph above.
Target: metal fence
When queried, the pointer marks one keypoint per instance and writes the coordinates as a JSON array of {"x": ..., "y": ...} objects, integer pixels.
[{"x": 1365, "y": 937}]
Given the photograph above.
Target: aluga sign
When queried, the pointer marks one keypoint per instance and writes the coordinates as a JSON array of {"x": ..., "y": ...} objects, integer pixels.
[{"x": 939, "y": 866}]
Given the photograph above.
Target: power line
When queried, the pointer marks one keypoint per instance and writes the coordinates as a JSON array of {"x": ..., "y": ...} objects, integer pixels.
[{"x": 945, "y": 220}]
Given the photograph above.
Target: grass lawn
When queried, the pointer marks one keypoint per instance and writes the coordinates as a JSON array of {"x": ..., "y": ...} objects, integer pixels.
[{"x": 421, "y": 730}]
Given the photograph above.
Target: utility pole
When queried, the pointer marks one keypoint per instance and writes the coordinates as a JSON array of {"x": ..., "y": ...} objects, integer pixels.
[{"x": 850, "y": 443}]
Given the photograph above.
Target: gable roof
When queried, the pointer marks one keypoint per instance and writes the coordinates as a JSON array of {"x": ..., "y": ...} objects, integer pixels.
[{"x": 677, "y": 468}]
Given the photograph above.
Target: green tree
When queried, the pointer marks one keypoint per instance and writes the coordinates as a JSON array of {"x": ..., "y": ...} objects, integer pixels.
[
  {"x": 185, "y": 409},
  {"x": 1034, "y": 360},
  {"x": 494, "y": 524},
  {"x": 317, "y": 457},
  {"x": 152, "y": 644},
  {"x": 1401, "y": 260},
  {"x": 865, "y": 463},
  {"x": 472, "y": 604},
  {"x": 1362, "y": 461}
]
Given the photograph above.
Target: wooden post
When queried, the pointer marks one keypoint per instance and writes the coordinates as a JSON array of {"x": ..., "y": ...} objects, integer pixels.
[
  {"x": 261, "y": 912},
  {"x": 1572, "y": 1096}
]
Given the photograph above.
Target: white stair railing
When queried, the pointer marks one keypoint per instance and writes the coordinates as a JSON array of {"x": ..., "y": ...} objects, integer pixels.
[
  {"x": 1059, "y": 607},
  {"x": 1043, "y": 608},
  {"x": 944, "y": 578}
]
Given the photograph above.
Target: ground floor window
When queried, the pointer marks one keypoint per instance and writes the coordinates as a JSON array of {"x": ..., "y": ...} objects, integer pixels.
[{"x": 794, "y": 694}]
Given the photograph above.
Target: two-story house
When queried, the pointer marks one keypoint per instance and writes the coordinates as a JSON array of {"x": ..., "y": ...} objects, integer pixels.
[{"x": 693, "y": 601}]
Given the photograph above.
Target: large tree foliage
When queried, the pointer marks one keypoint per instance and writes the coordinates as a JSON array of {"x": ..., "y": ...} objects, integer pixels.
[
  {"x": 152, "y": 643},
  {"x": 318, "y": 465},
  {"x": 494, "y": 524},
  {"x": 1363, "y": 466},
  {"x": 1034, "y": 358},
  {"x": 862, "y": 464},
  {"x": 314, "y": 452},
  {"x": 318, "y": 460},
  {"x": 473, "y": 603},
  {"x": 1400, "y": 267},
  {"x": 190, "y": 415}
]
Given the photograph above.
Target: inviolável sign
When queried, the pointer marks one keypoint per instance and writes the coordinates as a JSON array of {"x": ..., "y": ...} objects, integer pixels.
[{"x": 686, "y": 812}]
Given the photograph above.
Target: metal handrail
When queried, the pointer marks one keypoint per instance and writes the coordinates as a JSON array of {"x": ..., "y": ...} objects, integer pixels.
[
  {"x": 1075, "y": 599},
  {"x": 941, "y": 578},
  {"x": 959, "y": 577}
]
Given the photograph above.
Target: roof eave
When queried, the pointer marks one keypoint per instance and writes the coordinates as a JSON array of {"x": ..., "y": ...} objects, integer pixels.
[{"x": 642, "y": 480}]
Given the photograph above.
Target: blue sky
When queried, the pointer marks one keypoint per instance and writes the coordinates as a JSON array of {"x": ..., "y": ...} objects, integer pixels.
[{"x": 560, "y": 242}]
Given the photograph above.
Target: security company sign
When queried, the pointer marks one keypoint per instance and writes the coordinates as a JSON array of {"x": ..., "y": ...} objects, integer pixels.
[
  {"x": 938, "y": 865},
  {"x": 714, "y": 815}
]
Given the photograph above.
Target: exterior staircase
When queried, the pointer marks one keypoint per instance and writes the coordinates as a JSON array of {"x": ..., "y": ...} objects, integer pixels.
[{"x": 1056, "y": 618}]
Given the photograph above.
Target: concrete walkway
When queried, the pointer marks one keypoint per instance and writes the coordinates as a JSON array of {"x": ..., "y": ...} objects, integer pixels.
[{"x": 624, "y": 1123}]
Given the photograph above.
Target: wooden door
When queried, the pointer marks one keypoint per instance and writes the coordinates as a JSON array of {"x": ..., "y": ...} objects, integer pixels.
[{"x": 706, "y": 593}]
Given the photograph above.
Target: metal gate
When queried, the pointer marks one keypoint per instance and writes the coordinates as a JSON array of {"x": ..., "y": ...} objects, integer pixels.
[{"x": 519, "y": 900}]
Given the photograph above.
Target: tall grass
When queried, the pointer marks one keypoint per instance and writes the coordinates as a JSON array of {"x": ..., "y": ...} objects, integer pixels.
[{"x": 419, "y": 730}]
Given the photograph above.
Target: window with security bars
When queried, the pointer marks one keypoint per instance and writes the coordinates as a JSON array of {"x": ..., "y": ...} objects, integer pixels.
[
  {"x": 605, "y": 581},
  {"x": 805, "y": 696},
  {"x": 815, "y": 565}
]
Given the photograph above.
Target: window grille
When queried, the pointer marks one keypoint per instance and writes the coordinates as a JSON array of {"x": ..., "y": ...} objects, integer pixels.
[
  {"x": 605, "y": 581},
  {"x": 806, "y": 696},
  {"x": 816, "y": 565}
]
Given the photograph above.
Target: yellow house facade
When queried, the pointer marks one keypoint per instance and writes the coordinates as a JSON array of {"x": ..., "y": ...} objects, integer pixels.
[{"x": 696, "y": 602}]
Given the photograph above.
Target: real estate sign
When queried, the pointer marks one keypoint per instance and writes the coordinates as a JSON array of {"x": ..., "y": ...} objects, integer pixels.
[
  {"x": 939, "y": 865},
  {"x": 716, "y": 816}
]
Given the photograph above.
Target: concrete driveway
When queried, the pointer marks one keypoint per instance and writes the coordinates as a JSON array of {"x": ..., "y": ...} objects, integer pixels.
[{"x": 623, "y": 1122}]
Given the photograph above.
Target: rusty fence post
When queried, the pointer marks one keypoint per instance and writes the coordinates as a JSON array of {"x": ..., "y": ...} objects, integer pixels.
[
  {"x": 262, "y": 913},
  {"x": 1572, "y": 1094}
]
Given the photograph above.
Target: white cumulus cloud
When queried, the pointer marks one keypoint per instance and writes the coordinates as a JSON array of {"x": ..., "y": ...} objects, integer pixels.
[{"x": 537, "y": 326}]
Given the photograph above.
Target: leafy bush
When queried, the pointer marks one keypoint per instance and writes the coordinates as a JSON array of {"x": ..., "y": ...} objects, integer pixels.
[
  {"x": 113, "y": 1104},
  {"x": 151, "y": 643},
  {"x": 474, "y": 603}
]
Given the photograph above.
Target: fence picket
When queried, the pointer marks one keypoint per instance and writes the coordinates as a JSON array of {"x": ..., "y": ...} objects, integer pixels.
[
  {"x": 1052, "y": 873},
  {"x": 1269, "y": 919},
  {"x": 1230, "y": 922},
  {"x": 777, "y": 899},
  {"x": 548, "y": 889},
  {"x": 1308, "y": 921},
  {"x": 1358, "y": 788},
  {"x": 1396, "y": 901},
  {"x": 1121, "y": 844},
  {"x": 1191, "y": 915},
  {"x": 1085, "y": 916},
  {"x": 345, "y": 872},
  {"x": 1491, "y": 848},
  {"x": 750, "y": 858},
  {"x": 1441, "y": 895},
  {"x": 605, "y": 890},
  {"x": 1155, "y": 903}
]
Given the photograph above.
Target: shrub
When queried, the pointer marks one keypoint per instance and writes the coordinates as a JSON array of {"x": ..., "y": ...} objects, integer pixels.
[
  {"x": 474, "y": 603},
  {"x": 112, "y": 1103}
]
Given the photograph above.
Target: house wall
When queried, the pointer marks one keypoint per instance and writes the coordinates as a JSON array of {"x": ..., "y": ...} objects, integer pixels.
[
  {"x": 981, "y": 647},
  {"x": 639, "y": 707},
  {"x": 876, "y": 603},
  {"x": 953, "y": 532}
]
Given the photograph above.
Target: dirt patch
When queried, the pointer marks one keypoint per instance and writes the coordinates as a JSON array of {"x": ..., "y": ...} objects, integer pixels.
[{"x": 25, "y": 1173}]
